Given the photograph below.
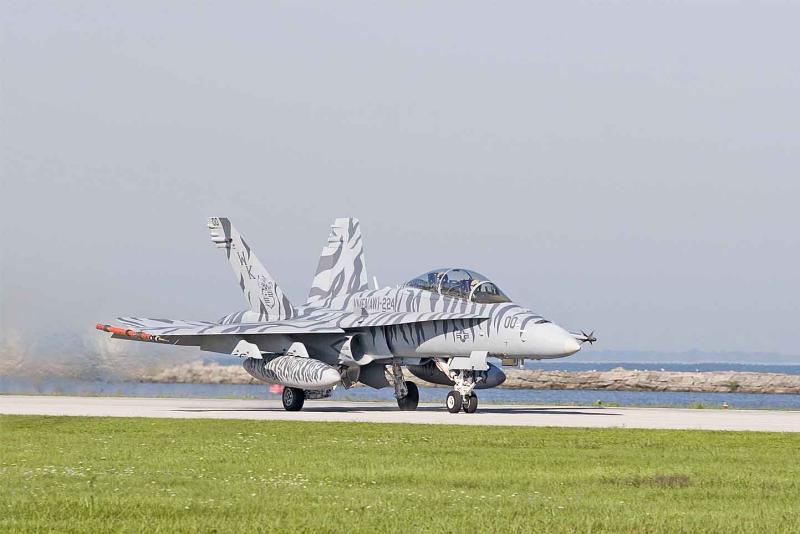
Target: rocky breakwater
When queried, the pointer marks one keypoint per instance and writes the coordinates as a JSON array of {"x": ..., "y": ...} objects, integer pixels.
[
  {"x": 201, "y": 373},
  {"x": 618, "y": 379}
]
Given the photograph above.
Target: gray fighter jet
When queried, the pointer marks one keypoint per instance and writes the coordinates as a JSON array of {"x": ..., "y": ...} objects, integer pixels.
[{"x": 443, "y": 326}]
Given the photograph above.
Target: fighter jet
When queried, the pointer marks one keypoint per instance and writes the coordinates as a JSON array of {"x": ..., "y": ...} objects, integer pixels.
[{"x": 443, "y": 326}]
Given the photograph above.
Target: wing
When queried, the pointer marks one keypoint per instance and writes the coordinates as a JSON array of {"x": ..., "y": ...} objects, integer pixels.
[
  {"x": 169, "y": 330},
  {"x": 162, "y": 330}
]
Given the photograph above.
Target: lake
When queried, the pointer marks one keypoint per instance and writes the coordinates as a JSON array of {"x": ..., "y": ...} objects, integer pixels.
[{"x": 64, "y": 386}]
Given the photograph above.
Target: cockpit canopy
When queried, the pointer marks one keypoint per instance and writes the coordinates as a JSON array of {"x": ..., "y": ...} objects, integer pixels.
[{"x": 461, "y": 284}]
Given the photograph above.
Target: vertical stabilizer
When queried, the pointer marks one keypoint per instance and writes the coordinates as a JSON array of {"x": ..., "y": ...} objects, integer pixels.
[
  {"x": 260, "y": 289},
  {"x": 341, "y": 269}
]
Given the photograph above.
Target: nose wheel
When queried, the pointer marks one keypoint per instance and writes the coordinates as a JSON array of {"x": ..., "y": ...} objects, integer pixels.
[
  {"x": 457, "y": 402},
  {"x": 454, "y": 402},
  {"x": 463, "y": 395},
  {"x": 471, "y": 404}
]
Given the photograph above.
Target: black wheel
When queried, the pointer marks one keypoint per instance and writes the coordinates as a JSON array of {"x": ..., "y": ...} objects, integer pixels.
[
  {"x": 411, "y": 400},
  {"x": 471, "y": 404},
  {"x": 293, "y": 399},
  {"x": 454, "y": 402}
]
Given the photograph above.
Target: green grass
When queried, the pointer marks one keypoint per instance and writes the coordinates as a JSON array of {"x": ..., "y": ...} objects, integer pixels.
[{"x": 103, "y": 474}]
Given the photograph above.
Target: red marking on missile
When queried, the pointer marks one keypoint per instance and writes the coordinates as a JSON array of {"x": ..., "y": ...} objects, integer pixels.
[
  {"x": 112, "y": 329},
  {"x": 127, "y": 332}
]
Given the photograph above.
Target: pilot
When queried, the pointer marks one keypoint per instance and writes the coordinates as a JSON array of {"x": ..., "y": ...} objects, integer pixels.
[
  {"x": 441, "y": 278},
  {"x": 463, "y": 287},
  {"x": 472, "y": 285}
]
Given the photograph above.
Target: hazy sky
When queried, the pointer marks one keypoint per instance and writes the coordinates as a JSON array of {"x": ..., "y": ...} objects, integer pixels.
[{"x": 633, "y": 169}]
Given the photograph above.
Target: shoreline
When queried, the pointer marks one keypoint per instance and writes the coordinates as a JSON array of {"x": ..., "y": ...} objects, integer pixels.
[{"x": 618, "y": 379}]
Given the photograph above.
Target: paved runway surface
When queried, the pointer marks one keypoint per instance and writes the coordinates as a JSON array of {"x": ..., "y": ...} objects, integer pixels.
[{"x": 381, "y": 412}]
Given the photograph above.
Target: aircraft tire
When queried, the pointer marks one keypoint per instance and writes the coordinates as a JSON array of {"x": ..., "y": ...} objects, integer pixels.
[
  {"x": 454, "y": 402},
  {"x": 293, "y": 399},
  {"x": 410, "y": 402},
  {"x": 472, "y": 404}
]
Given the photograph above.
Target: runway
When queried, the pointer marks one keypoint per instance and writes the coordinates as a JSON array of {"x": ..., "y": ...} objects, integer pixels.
[{"x": 381, "y": 412}]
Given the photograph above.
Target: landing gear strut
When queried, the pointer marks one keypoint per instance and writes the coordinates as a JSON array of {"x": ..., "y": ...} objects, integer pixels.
[
  {"x": 406, "y": 393},
  {"x": 293, "y": 399}
]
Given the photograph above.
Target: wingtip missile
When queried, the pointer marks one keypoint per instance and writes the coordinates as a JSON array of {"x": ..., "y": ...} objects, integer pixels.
[{"x": 129, "y": 333}]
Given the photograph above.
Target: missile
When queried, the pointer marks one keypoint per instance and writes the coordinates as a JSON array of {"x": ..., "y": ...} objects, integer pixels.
[{"x": 127, "y": 332}]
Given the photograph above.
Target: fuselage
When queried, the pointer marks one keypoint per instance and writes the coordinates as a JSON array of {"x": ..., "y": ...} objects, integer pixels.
[{"x": 503, "y": 329}]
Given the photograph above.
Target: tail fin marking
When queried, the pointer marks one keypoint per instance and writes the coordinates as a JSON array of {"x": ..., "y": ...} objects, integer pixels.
[{"x": 259, "y": 287}]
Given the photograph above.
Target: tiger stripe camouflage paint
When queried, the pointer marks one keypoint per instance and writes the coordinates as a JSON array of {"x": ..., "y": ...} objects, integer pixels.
[
  {"x": 292, "y": 371},
  {"x": 344, "y": 324},
  {"x": 426, "y": 330},
  {"x": 341, "y": 269},
  {"x": 260, "y": 289}
]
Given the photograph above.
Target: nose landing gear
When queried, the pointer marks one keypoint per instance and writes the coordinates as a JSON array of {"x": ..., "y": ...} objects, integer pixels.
[
  {"x": 463, "y": 396},
  {"x": 457, "y": 402},
  {"x": 454, "y": 402},
  {"x": 466, "y": 373},
  {"x": 472, "y": 404}
]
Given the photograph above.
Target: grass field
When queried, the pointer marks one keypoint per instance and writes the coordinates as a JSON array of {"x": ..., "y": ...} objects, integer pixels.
[{"x": 103, "y": 474}]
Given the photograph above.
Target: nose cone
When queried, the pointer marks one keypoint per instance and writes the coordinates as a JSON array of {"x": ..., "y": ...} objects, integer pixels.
[
  {"x": 551, "y": 341},
  {"x": 571, "y": 346}
]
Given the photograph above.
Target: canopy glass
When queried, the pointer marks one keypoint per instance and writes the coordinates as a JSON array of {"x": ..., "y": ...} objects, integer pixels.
[{"x": 461, "y": 284}]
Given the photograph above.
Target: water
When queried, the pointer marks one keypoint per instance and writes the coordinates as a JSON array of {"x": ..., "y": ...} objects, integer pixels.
[
  {"x": 61, "y": 386},
  {"x": 566, "y": 365},
  {"x": 572, "y": 365}
]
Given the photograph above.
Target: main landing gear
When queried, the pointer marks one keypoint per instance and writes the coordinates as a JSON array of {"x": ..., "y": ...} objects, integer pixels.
[
  {"x": 406, "y": 393},
  {"x": 411, "y": 400},
  {"x": 293, "y": 399}
]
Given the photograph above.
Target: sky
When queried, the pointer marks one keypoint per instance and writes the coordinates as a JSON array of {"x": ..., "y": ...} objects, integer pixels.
[{"x": 628, "y": 168}]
